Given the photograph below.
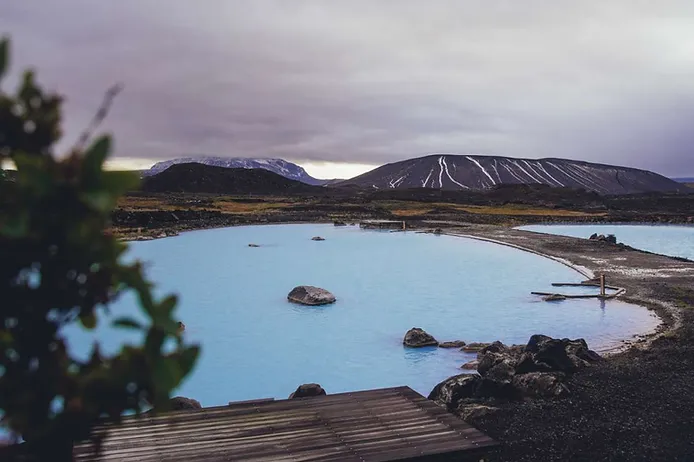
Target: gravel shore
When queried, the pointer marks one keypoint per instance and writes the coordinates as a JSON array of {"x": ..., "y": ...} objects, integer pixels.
[{"x": 639, "y": 404}]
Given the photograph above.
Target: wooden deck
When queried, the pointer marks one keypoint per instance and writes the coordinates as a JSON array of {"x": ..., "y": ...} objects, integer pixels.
[{"x": 391, "y": 424}]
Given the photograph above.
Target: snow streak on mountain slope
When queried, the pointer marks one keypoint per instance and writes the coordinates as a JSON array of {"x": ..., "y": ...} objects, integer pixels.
[
  {"x": 279, "y": 166},
  {"x": 449, "y": 171}
]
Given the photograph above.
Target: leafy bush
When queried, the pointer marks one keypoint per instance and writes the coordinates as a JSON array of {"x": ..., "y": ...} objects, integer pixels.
[{"x": 60, "y": 265}]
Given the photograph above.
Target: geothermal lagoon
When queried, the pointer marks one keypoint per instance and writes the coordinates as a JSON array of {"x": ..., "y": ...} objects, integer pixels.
[{"x": 255, "y": 344}]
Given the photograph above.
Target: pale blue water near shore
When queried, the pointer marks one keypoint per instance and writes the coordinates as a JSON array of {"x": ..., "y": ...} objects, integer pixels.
[
  {"x": 676, "y": 241},
  {"x": 256, "y": 344}
]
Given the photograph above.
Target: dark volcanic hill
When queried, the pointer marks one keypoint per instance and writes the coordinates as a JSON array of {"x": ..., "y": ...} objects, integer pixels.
[
  {"x": 279, "y": 166},
  {"x": 199, "y": 178},
  {"x": 447, "y": 171}
]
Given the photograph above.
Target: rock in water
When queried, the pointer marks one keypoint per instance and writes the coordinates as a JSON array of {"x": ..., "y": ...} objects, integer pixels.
[
  {"x": 309, "y": 295},
  {"x": 307, "y": 390},
  {"x": 554, "y": 298},
  {"x": 474, "y": 347},
  {"x": 253, "y": 245},
  {"x": 453, "y": 344},
  {"x": 339, "y": 223},
  {"x": 317, "y": 238},
  {"x": 417, "y": 337}
]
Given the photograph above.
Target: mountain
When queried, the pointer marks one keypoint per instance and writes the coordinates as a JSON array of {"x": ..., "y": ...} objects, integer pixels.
[
  {"x": 473, "y": 172},
  {"x": 279, "y": 166},
  {"x": 684, "y": 180},
  {"x": 199, "y": 178}
]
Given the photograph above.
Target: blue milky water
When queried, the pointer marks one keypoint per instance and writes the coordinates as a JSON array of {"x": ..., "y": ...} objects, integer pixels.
[
  {"x": 676, "y": 241},
  {"x": 256, "y": 344}
]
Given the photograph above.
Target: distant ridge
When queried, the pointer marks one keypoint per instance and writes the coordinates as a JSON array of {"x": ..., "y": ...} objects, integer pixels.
[
  {"x": 200, "y": 178},
  {"x": 475, "y": 172},
  {"x": 278, "y": 166}
]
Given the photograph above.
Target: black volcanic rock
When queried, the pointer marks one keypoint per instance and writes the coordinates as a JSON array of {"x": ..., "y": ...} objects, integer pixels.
[
  {"x": 278, "y": 166},
  {"x": 308, "y": 390},
  {"x": 416, "y": 338},
  {"x": 463, "y": 172},
  {"x": 309, "y": 295},
  {"x": 199, "y": 178}
]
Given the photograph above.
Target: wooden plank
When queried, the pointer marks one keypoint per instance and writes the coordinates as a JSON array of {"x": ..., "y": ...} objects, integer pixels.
[
  {"x": 250, "y": 401},
  {"x": 386, "y": 424}
]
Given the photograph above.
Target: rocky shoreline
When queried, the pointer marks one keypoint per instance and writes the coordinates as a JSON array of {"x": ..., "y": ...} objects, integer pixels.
[{"x": 636, "y": 405}]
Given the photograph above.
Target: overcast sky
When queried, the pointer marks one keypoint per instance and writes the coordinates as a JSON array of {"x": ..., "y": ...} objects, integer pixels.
[{"x": 371, "y": 82}]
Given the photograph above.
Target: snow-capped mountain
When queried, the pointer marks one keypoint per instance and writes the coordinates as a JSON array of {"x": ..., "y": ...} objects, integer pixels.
[
  {"x": 475, "y": 172},
  {"x": 279, "y": 166}
]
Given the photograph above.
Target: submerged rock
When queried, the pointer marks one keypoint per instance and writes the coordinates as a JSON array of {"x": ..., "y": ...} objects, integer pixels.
[
  {"x": 310, "y": 295},
  {"x": 417, "y": 337},
  {"x": 453, "y": 344},
  {"x": 308, "y": 390},
  {"x": 317, "y": 238}
]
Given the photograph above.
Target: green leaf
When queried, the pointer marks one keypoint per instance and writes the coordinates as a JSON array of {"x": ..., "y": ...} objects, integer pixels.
[
  {"x": 88, "y": 320},
  {"x": 168, "y": 304},
  {"x": 187, "y": 359},
  {"x": 95, "y": 156},
  {"x": 126, "y": 323},
  {"x": 4, "y": 56},
  {"x": 167, "y": 373}
]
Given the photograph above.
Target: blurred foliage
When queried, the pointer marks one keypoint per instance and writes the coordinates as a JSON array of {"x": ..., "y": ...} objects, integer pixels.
[{"x": 60, "y": 265}]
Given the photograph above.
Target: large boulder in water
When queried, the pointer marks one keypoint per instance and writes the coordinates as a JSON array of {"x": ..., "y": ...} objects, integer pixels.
[
  {"x": 308, "y": 390},
  {"x": 309, "y": 295},
  {"x": 417, "y": 337}
]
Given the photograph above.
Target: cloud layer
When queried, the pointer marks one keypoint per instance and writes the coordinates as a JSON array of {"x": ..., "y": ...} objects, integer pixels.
[{"x": 374, "y": 82}]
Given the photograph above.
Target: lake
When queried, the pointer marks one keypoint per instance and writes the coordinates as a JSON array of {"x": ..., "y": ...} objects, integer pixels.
[
  {"x": 255, "y": 344},
  {"x": 675, "y": 241}
]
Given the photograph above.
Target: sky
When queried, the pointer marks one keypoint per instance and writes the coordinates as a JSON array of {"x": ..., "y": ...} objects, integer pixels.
[{"x": 341, "y": 86}]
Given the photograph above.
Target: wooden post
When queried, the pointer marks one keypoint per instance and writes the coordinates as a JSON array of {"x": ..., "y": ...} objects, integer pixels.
[
  {"x": 602, "y": 285},
  {"x": 403, "y": 225}
]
